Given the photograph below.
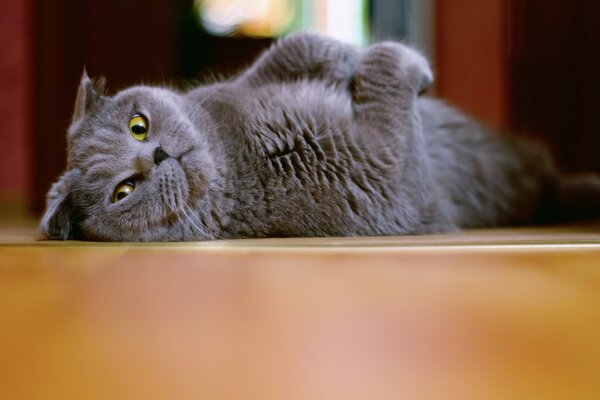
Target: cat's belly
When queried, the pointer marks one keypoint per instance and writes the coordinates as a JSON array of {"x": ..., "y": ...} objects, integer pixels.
[{"x": 311, "y": 173}]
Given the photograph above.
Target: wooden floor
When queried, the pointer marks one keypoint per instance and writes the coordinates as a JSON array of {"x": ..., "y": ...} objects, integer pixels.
[{"x": 492, "y": 314}]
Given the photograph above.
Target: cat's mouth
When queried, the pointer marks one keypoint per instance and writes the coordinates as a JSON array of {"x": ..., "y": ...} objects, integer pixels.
[
  {"x": 190, "y": 163},
  {"x": 183, "y": 156}
]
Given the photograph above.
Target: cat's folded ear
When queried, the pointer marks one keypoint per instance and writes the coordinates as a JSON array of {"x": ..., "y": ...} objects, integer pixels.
[
  {"x": 90, "y": 95},
  {"x": 61, "y": 219}
]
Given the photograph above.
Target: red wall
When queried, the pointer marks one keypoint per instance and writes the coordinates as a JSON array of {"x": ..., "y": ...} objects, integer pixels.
[
  {"x": 15, "y": 99},
  {"x": 555, "y": 77},
  {"x": 471, "y": 57}
]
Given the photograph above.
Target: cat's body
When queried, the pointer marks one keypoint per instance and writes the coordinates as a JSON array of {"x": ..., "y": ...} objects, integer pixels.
[{"x": 316, "y": 139}]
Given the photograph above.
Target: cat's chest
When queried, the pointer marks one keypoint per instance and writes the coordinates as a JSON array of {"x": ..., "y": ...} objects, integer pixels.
[{"x": 299, "y": 122}]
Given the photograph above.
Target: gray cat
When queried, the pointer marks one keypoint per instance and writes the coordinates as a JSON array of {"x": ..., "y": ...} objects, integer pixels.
[{"x": 317, "y": 138}]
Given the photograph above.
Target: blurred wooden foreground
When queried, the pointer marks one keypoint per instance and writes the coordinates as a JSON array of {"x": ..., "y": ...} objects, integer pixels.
[{"x": 499, "y": 314}]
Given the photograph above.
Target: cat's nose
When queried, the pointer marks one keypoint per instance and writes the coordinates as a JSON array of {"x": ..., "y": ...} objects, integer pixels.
[{"x": 160, "y": 155}]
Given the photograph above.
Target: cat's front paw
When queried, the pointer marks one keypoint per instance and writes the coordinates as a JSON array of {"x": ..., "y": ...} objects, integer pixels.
[
  {"x": 416, "y": 64},
  {"x": 397, "y": 65}
]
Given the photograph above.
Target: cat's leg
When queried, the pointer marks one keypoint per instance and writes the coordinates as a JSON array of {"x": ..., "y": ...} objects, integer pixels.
[
  {"x": 384, "y": 89},
  {"x": 304, "y": 56},
  {"x": 387, "y": 82},
  {"x": 384, "y": 92}
]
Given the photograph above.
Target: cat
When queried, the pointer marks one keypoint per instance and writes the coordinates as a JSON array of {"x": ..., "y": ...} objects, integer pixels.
[{"x": 316, "y": 138}]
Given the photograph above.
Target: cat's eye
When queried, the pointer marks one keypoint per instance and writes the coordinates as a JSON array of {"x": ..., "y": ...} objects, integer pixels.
[
  {"x": 138, "y": 126},
  {"x": 123, "y": 190}
]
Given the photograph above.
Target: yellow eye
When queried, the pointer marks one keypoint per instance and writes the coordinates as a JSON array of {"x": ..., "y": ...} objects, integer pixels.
[
  {"x": 123, "y": 190},
  {"x": 138, "y": 126}
]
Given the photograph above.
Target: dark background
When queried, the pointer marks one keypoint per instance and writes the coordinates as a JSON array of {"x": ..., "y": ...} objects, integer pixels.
[{"x": 528, "y": 65}]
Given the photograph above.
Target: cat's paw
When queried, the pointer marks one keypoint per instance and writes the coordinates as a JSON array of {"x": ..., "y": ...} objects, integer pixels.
[
  {"x": 415, "y": 63},
  {"x": 397, "y": 66}
]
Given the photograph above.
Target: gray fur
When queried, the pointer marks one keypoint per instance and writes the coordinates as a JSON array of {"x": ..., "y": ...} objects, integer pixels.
[{"x": 317, "y": 138}]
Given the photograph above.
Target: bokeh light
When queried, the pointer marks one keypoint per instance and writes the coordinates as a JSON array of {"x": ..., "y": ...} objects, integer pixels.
[
  {"x": 342, "y": 19},
  {"x": 259, "y": 18}
]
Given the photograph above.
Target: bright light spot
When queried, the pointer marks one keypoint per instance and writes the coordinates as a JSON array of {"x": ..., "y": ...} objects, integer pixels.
[
  {"x": 261, "y": 18},
  {"x": 345, "y": 20}
]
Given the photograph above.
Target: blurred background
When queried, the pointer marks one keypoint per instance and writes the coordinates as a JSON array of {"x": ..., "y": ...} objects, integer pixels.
[{"x": 528, "y": 67}]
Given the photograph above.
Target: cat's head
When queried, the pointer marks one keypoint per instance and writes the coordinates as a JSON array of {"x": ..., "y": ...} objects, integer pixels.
[{"x": 137, "y": 162}]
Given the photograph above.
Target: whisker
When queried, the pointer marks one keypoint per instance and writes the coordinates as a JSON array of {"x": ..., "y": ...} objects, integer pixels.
[
  {"x": 191, "y": 221},
  {"x": 199, "y": 220},
  {"x": 185, "y": 228},
  {"x": 170, "y": 199}
]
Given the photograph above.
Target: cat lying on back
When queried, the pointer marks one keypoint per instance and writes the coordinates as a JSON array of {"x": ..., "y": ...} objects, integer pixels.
[{"x": 317, "y": 138}]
